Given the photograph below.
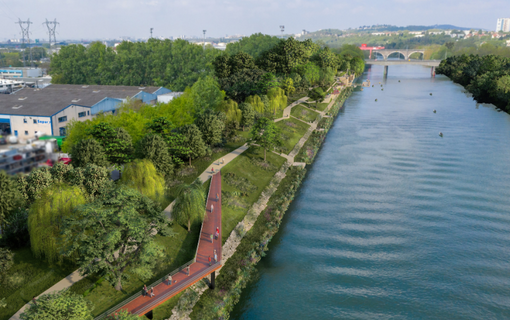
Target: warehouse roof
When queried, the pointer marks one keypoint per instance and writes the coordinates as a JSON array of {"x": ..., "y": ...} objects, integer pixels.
[{"x": 56, "y": 97}]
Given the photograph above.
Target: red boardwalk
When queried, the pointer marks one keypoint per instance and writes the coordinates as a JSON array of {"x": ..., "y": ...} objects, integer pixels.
[{"x": 200, "y": 268}]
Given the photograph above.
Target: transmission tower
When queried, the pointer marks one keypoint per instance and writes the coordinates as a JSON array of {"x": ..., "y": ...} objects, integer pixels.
[
  {"x": 52, "y": 26},
  {"x": 25, "y": 34}
]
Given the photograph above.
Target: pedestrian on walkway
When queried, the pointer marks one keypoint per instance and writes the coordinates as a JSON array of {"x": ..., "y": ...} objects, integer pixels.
[
  {"x": 169, "y": 280},
  {"x": 217, "y": 197},
  {"x": 212, "y": 208},
  {"x": 223, "y": 161},
  {"x": 152, "y": 292},
  {"x": 212, "y": 236},
  {"x": 34, "y": 300},
  {"x": 212, "y": 169},
  {"x": 209, "y": 260},
  {"x": 144, "y": 290},
  {"x": 187, "y": 271},
  {"x": 215, "y": 256},
  {"x": 217, "y": 234}
]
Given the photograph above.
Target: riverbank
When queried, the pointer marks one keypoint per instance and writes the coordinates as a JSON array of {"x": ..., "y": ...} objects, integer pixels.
[{"x": 238, "y": 270}]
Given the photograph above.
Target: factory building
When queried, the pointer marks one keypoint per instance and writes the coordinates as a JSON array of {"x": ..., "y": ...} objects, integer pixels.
[{"x": 30, "y": 112}]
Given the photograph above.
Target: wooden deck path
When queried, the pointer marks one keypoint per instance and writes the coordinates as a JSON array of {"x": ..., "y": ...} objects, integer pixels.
[{"x": 200, "y": 268}]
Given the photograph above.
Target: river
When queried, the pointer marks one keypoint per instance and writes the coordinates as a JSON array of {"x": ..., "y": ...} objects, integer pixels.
[{"x": 393, "y": 221}]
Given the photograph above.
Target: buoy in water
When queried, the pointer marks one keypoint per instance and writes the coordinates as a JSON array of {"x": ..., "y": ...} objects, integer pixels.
[
  {"x": 372, "y": 86},
  {"x": 398, "y": 80},
  {"x": 375, "y": 100},
  {"x": 440, "y": 134},
  {"x": 434, "y": 111},
  {"x": 431, "y": 93},
  {"x": 382, "y": 89}
]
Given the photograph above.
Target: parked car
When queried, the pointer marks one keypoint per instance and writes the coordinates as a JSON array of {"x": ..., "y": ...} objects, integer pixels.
[{"x": 3, "y": 140}]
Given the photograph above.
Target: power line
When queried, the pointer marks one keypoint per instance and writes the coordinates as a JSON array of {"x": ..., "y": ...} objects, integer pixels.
[{"x": 6, "y": 6}]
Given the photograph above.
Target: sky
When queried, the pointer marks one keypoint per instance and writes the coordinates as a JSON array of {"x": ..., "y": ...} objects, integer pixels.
[{"x": 106, "y": 19}]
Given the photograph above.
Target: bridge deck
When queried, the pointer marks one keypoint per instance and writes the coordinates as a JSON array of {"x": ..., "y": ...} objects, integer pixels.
[{"x": 200, "y": 268}]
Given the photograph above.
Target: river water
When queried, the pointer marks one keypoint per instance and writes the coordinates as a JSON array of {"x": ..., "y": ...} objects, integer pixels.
[{"x": 393, "y": 221}]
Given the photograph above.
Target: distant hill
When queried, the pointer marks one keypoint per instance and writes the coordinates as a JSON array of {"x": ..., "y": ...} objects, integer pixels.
[{"x": 417, "y": 28}]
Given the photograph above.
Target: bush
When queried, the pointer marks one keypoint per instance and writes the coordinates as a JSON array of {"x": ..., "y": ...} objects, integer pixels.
[
  {"x": 63, "y": 305},
  {"x": 16, "y": 230},
  {"x": 6, "y": 257}
]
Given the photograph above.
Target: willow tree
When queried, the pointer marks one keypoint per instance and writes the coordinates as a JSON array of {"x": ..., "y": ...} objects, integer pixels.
[
  {"x": 256, "y": 103},
  {"x": 189, "y": 204},
  {"x": 142, "y": 175},
  {"x": 231, "y": 110},
  {"x": 277, "y": 99},
  {"x": 45, "y": 217}
]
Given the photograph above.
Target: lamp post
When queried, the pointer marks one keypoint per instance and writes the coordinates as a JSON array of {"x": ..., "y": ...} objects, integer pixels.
[
  {"x": 204, "y": 37},
  {"x": 282, "y": 28},
  {"x": 151, "y": 32}
]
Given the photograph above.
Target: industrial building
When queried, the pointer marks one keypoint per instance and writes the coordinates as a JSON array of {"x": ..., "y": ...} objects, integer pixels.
[{"x": 30, "y": 112}]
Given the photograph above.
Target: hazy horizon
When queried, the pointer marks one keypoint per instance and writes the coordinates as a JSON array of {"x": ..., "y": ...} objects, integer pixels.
[{"x": 95, "y": 19}]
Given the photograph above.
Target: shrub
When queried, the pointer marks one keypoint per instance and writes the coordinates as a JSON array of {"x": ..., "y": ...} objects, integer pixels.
[{"x": 16, "y": 230}]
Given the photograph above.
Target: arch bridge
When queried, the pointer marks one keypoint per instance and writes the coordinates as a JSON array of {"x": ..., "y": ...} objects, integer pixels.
[{"x": 406, "y": 53}]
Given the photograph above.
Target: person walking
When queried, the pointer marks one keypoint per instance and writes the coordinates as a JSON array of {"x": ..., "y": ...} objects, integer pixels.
[
  {"x": 223, "y": 161},
  {"x": 152, "y": 292},
  {"x": 144, "y": 290},
  {"x": 217, "y": 197},
  {"x": 212, "y": 169},
  {"x": 215, "y": 256},
  {"x": 212, "y": 237},
  {"x": 217, "y": 232},
  {"x": 212, "y": 208},
  {"x": 209, "y": 260},
  {"x": 187, "y": 271},
  {"x": 169, "y": 280}
]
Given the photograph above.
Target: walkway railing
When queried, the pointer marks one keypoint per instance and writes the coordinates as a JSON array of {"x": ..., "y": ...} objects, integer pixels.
[{"x": 139, "y": 293}]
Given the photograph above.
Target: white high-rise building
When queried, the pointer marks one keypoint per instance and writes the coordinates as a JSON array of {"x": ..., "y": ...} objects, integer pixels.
[{"x": 503, "y": 25}]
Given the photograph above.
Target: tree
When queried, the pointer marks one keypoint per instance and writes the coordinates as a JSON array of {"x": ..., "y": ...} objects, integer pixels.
[
  {"x": 142, "y": 176},
  {"x": 231, "y": 110},
  {"x": 248, "y": 114},
  {"x": 88, "y": 151},
  {"x": 211, "y": 127},
  {"x": 31, "y": 187},
  {"x": 286, "y": 55},
  {"x": 243, "y": 84},
  {"x": 63, "y": 305},
  {"x": 256, "y": 102},
  {"x": 96, "y": 180},
  {"x": 277, "y": 100},
  {"x": 189, "y": 204},
  {"x": 253, "y": 45},
  {"x": 9, "y": 197},
  {"x": 193, "y": 140},
  {"x": 115, "y": 232},
  {"x": 317, "y": 94},
  {"x": 267, "y": 134},
  {"x": 267, "y": 82},
  {"x": 116, "y": 142},
  {"x": 154, "y": 148},
  {"x": 15, "y": 234},
  {"x": 45, "y": 216},
  {"x": 288, "y": 86},
  {"x": 206, "y": 94},
  {"x": 60, "y": 171}
]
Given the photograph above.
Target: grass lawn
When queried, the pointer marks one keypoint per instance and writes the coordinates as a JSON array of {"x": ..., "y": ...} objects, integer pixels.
[
  {"x": 304, "y": 114},
  {"x": 246, "y": 166},
  {"x": 164, "y": 311},
  {"x": 180, "y": 248},
  {"x": 320, "y": 106},
  {"x": 28, "y": 277},
  {"x": 201, "y": 164},
  {"x": 292, "y": 131}
]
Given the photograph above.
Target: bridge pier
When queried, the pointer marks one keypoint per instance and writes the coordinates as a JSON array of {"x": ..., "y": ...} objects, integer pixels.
[{"x": 213, "y": 281}]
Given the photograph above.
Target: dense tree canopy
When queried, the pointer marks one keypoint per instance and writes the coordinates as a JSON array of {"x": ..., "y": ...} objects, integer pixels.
[
  {"x": 172, "y": 64},
  {"x": 253, "y": 45},
  {"x": 486, "y": 77},
  {"x": 63, "y": 305}
]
